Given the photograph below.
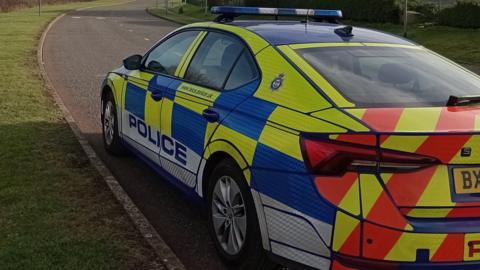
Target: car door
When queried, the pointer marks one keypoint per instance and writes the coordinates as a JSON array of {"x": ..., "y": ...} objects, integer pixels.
[
  {"x": 197, "y": 102},
  {"x": 145, "y": 90}
]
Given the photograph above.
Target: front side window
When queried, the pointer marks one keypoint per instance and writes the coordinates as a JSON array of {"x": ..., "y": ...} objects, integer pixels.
[
  {"x": 166, "y": 57},
  {"x": 373, "y": 76},
  {"x": 214, "y": 60}
]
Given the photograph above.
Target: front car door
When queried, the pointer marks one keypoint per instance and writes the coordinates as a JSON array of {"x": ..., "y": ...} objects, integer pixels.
[
  {"x": 145, "y": 90},
  {"x": 220, "y": 75}
]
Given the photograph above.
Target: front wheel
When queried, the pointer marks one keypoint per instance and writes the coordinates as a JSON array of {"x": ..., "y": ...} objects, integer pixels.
[
  {"x": 233, "y": 221},
  {"x": 111, "y": 138}
]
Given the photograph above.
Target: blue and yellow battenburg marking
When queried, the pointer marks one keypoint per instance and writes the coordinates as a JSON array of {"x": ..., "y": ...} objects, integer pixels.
[{"x": 260, "y": 126}]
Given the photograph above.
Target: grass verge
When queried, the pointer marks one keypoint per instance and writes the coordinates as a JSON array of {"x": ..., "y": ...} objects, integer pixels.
[
  {"x": 191, "y": 14},
  {"x": 55, "y": 210},
  {"x": 460, "y": 45}
]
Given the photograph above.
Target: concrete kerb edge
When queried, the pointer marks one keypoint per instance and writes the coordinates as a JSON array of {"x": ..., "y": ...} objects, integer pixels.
[{"x": 163, "y": 251}]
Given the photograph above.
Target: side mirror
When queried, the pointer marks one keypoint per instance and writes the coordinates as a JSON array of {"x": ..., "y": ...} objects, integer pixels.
[{"x": 133, "y": 62}]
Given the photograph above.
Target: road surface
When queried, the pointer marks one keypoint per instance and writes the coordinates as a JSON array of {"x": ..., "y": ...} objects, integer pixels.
[{"x": 78, "y": 51}]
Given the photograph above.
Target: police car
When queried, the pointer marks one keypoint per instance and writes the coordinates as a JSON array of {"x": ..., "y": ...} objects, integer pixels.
[{"x": 311, "y": 143}]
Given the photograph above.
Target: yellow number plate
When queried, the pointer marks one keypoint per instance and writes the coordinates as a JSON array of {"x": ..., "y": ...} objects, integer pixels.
[{"x": 467, "y": 180}]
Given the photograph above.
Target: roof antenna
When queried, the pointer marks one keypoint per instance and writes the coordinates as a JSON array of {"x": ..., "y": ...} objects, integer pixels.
[
  {"x": 306, "y": 21},
  {"x": 344, "y": 31}
]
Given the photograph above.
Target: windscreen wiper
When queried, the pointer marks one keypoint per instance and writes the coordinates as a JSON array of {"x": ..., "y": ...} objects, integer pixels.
[{"x": 462, "y": 101}]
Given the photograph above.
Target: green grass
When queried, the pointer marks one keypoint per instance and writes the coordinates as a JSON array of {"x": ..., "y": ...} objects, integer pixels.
[
  {"x": 55, "y": 211},
  {"x": 191, "y": 14},
  {"x": 460, "y": 45}
]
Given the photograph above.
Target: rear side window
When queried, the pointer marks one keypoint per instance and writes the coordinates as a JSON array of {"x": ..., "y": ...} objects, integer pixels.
[
  {"x": 373, "y": 76},
  {"x": 244, "y": 71},
  {"x": 214, "y": 60},
  {"x": 166, "y": 57}
]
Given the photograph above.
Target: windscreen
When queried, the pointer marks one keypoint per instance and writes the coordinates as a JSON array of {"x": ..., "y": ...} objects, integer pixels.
[{"x": 372, "y": 76}]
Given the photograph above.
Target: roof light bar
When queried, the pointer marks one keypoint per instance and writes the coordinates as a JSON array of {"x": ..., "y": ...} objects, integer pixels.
[{"x": 237, "y": 11}]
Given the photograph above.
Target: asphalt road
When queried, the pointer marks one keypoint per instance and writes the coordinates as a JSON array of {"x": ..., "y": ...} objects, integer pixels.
[{"x": 78, "y": 51}]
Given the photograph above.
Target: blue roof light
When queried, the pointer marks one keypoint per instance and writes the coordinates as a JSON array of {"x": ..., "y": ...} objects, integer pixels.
[{"x": 237, "y": 11}]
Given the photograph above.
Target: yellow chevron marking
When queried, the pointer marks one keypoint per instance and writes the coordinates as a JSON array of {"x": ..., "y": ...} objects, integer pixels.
[
  {"x": 344, "y": 226},
  {"x": 315, "y": 76},
  {"x": 404, "y": 143},
  {"x": 358, "y": 113},
  {"x": 437, "y": 192},
  {"x": 473, "y": 142},
  {"x": 405, "y": 249},
  {"x": 409, "y": 120},
  {"x": 351, "y": 201},
  {"x": 284, "y": 142},
  {"x": 371, "y": 191}
]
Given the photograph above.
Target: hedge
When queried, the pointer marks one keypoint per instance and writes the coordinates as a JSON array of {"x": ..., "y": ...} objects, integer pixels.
[
  {"x": 361, "y": 10},
  {"x": 463, "y": 14},
  {"x": 8, "y": 5}
]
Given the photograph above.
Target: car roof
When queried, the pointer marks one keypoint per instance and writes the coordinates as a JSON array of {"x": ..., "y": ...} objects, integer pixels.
[{"x": 295, "y": 32}]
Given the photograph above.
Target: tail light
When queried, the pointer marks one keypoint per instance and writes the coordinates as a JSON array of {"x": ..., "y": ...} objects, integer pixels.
[{"x": 326, "y": 157}]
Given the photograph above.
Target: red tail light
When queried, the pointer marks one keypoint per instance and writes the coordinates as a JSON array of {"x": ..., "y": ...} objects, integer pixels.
[{"x": 326, "y": 157}]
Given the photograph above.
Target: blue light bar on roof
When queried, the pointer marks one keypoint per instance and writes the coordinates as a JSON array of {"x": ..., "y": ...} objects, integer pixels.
[{"x": 237, "y": 11}]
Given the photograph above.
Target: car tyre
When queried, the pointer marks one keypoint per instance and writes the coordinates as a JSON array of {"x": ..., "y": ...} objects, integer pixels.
[
  {"x": 232, "y": 219},
  {"x": 110, "y": 134}
]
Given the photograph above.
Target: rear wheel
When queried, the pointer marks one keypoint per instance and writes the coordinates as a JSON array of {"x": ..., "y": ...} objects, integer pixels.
[
  {"x": 233, "y": 220},
  {"x": 111, "y": 138}
]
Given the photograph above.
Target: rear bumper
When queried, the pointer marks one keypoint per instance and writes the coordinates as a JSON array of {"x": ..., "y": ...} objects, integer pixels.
[{"x": 365, "y": 264}]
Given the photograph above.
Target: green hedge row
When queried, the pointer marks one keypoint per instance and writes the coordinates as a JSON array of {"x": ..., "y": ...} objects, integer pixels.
[
  {"x": 363, "y": 10},
  {"x": 9, "y": 5},
  {"x": 463, "y": 14}
]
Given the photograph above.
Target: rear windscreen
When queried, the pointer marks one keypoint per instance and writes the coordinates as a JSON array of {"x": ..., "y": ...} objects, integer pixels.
[{"x": 372, "y": 76}]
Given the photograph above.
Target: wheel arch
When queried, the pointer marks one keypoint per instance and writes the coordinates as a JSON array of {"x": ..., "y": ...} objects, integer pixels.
[{"x": 215, "y": 152}]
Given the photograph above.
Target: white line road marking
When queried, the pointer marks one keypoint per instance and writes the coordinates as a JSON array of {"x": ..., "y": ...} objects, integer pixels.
[
  {"x": 76, "y": 17},
  {"x": 130, "y": 30},
  {"x": 100, "y": 18},
  {"x": 147, "y": 39}
]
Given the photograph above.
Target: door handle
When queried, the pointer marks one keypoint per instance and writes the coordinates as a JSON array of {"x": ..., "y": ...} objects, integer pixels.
[
  {"x": 157, "y": 95},
  {"x": 211, "y": 115}
]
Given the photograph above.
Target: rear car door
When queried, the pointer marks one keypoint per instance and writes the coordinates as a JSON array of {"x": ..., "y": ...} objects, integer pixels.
[
  {"x": 145, "y": 90},
  {"x": 221, "y": 74}
]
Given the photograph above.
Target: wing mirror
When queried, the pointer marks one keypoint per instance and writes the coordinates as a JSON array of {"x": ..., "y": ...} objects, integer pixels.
[{"x": 133, "y": 62}]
